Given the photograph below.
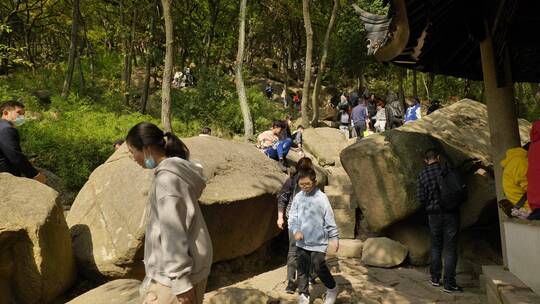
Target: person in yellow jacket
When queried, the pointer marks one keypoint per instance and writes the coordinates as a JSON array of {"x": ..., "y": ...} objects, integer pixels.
[{"x": 514, "y": 178}]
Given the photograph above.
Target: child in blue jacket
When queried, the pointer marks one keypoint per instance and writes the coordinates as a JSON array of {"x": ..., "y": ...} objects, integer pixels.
[{"x": 312, "y": 222}]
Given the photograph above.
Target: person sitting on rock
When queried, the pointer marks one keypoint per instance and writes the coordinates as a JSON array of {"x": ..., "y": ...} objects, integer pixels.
[
  {"x": 414, "y": 111},
  {"x": 177, "y": 247},
  {"x": 285, "y": 197},
  {"x": 533, "y": 172},
  {"x": 514, "y": 179},
  {"x": 206, "y": 131},
  {"x": 12, "y": 159},
  {"x": 275, "y": 143},
  {"x": 443, "y": 223},
  {"x": 311, "y": 220}
]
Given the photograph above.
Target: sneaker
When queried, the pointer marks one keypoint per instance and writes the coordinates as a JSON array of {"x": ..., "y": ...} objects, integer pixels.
[
  {"x": 453, "y": 288},
  {"x": 303, "y": 299},
  {"x": 331, "y": 295},
  {"x": 282, "y": 166},
  {"x": 291, "y": 288},
  {"x": 435, "y": 282}
]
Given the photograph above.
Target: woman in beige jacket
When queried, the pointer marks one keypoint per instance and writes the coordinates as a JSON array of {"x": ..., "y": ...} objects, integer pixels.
[{"x": 177, "y": 247}]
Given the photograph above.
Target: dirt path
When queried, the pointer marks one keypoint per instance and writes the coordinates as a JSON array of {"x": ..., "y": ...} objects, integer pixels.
[{"x": 360, "y": 284}]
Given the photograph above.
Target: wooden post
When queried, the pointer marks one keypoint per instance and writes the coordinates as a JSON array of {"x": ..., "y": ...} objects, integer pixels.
[{"x": 502, "y": 119}]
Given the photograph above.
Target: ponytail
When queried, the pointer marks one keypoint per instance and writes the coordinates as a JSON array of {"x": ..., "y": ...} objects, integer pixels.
[
  {"x": 174, "y": 146},
  {"x": 145, "y": 134}
]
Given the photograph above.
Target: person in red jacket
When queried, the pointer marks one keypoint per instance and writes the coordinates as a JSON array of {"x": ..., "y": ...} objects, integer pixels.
[{"x": 533, "y": 172}]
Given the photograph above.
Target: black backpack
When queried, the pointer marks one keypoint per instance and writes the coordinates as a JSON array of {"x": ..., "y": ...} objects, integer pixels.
[{"x": 452, "y": 190}]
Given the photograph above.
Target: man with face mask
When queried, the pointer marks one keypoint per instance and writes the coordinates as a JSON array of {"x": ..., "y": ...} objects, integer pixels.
[{"x": 12, "y": 160}]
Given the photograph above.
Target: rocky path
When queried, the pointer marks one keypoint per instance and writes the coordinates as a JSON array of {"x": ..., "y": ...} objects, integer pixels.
[{"x": 358, "y": 284}]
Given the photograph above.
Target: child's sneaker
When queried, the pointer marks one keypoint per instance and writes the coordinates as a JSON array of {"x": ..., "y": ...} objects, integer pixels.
[
  {"x": 303, "y": 299},
  {"x": 331, "y": 295},
  {"x": 291, "y": 288}
]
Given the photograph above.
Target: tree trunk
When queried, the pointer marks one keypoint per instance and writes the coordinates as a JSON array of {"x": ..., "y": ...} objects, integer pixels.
[
  {"x": 414, "y": 84},
  {"x": 467, "y": 88},
  {"x": 315, "y": 99},
  {"x": 167, "y": 68},
  {"x": 401, "y": 93},
  {"x": 148, "y": 63},
  {"x": 82, "y": 84},
  {"x": 535, "y": 90},
  {"x": 239, "y": 80},
  {"x": 307, "y": 70},
  {"x": 429, "y": 80},
  {"x": 72, "y": 50}
]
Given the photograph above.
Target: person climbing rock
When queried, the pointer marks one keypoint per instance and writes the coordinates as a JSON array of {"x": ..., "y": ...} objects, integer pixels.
[
  {"x": 177, "y": 247},
  {"x": 285, "y": 197},
  {"x": 12, "y": 159},
  {"x": 311, "y": 220}
]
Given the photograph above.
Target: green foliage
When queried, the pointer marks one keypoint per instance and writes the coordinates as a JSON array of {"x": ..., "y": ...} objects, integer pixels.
[{"x": 74, "y": 137}]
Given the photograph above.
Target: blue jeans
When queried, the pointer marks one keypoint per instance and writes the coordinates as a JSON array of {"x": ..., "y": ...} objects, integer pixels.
[
  {"x": 281, "y": 151},
  {"x": 444, "y": 231}
]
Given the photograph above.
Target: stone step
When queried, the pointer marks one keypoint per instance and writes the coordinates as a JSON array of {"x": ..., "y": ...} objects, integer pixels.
[
  {"x": 342, "y": 201},
  {"x": 348, "y": 248},
  {"x": 503, "y": 287},
  {"x": 345, "y": 221}
]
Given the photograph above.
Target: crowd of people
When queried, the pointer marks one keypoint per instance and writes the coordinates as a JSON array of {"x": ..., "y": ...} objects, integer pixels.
[
  {"x": 368, "y": 114},
  {"x": 185, "y": 78},
  {"x": 178, "y": 248}
]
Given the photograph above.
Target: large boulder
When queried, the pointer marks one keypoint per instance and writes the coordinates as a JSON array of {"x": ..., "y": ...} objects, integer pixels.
[
  {"x": 384, "y": 167},
  {"x": 107, "y": 219},
  {"x": 383, "y": 252},
  {"x": 325, "y": 144},
  {"x": 36, "y": 259},
  {"x": 122, "y": 291},
  {"x": 416, "y": 238}
]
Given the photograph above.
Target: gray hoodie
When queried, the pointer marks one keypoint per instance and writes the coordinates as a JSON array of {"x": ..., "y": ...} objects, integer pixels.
[{"x": 177, "y": 247}]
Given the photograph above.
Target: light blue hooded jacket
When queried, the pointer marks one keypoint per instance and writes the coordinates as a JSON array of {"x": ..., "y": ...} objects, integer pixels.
[{"x": 312, "y": 215}]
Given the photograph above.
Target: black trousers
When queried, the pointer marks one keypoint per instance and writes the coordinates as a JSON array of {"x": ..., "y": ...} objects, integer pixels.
[
  {"x": 444, "y": 234},
  {"x": 292, "y": 260},
  {"x": 307, "y": 259},
  {"x": 360, "y": 128}
]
